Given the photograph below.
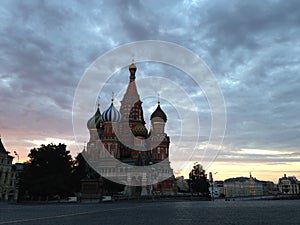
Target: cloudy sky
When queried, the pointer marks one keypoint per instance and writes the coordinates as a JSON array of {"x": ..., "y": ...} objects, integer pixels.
[{"x": 251, "y": 47}]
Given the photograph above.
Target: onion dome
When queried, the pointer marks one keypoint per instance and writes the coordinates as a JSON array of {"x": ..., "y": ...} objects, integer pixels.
[
  {"x": 158, "y": 114},
  {"x": 140, "y": 130},
  {"x": 111, "y": 114},
  {"x": 132, "y": 66},
  {"x": 132, "y": 69},
  {"x": 95, "y": 121}
]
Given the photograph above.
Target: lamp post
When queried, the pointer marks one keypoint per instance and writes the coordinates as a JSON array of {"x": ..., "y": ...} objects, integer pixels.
[
  {"x": 191, "y": 184},
  {"x": 211, "y": 181}
]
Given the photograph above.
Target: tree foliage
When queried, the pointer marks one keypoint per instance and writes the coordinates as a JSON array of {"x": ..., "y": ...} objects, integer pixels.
[
  {"x": 199, "y": 182},
  {"x": 51, "y": 173},
  {"x": 48, "y": 173}
]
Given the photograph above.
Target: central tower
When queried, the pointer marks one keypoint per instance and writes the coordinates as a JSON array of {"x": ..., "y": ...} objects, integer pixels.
[
  {"x": 131, "y": 106},
  {"x": 132, "y": 115}
]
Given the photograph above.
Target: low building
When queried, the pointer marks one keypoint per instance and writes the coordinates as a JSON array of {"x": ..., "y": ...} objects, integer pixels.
[
  {"x": 289, "y": 185},
  {"x": 247, "y": 186},
  {"x": 182, "y": 184},
  {"x": 269, "y": 188},
  {"x": 8, "y": 189}
]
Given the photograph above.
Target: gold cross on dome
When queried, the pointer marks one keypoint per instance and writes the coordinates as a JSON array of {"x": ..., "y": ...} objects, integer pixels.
[{"x": 158, "y": 101}]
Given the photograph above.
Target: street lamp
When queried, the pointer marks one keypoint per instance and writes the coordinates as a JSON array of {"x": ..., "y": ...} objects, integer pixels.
[
  {"x": 191, "y": 184},
  {"x": 211, "y": 181}
]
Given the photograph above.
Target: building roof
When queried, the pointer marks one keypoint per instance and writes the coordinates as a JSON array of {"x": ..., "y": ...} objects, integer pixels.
[
  {"x": 2, "y": 149},
  {"x": 292, "y": 179},
  {"x": 240, "y": 179},
  {"x": 158, "y": 114}
]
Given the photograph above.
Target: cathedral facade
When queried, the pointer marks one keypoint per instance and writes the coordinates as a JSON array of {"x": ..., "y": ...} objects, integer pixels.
[{"x": 121, "y": 146}]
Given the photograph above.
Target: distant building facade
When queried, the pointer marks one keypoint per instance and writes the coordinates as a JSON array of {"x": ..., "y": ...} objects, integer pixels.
[
  {"x": 247, "y": 186},
  {"x": 8, "y": 189},
  {"x": 288, "y": 185}
]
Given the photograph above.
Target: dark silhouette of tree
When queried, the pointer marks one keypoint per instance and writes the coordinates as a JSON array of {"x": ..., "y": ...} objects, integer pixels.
[
  {"x": 47, "y": 173},
  {"x": 199, "y": 181}
]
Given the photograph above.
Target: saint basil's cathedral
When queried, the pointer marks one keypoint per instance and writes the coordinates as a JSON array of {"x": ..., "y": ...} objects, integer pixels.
[{"x": 120, "y": 143}]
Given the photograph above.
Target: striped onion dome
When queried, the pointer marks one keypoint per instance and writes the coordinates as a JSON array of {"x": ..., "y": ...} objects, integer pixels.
[
  {"x": 95, "y": 121},
  {"x": 111, "y": 114}
]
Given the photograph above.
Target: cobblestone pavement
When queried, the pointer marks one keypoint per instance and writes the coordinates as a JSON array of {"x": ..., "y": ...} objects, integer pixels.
[{"x": 131, "y": 213}]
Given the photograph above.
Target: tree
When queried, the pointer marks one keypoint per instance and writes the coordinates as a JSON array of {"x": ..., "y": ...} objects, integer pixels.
[
  {"x": 199, "y": 180},
  {"x": 47, "y": 173}
]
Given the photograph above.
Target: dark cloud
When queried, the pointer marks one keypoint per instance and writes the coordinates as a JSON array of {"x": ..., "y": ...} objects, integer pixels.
[{"x": 252, "y": 48}]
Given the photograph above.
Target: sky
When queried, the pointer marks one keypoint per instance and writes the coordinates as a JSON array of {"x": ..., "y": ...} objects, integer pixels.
[{"x": 251, "y": 47}]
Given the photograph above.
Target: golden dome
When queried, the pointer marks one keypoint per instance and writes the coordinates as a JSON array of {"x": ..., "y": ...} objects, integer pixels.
[{"x": 132, "y": 66}]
